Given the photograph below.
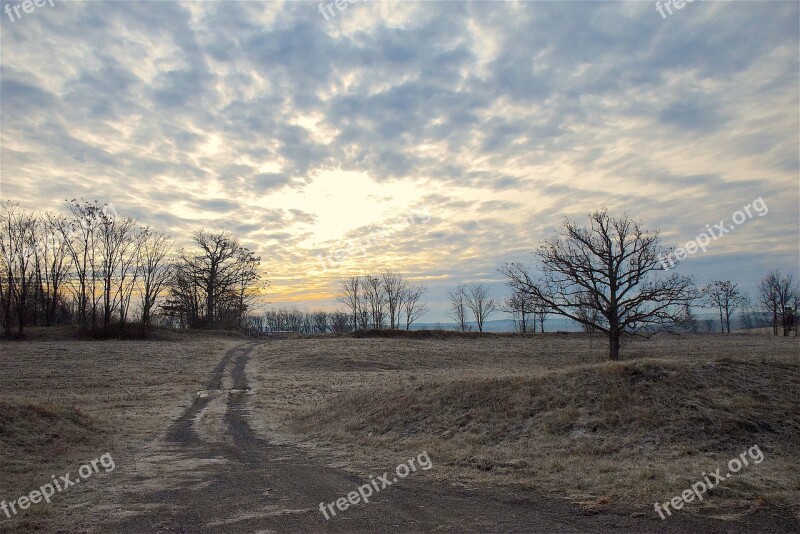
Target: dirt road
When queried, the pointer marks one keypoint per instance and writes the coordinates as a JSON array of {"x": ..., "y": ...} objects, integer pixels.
[{"x": 242, "y": 483}]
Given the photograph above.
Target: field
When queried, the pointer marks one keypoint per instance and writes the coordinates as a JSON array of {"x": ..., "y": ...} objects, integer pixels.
[
  {"x": 542, "y": 418},
  {"x": 546, "y": 412}
]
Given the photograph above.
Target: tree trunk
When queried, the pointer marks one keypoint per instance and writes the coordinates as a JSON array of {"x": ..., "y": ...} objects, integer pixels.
[
  {"x": 7, "y": 311},
  {"x": 209, "y": 305},
  {"x": 21, "y": 313},
  {"x": 613, "y": 345}
]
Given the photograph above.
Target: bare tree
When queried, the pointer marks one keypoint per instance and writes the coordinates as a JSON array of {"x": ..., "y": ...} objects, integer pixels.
[
  {"x": 524, "y": 304},
  {"x": 787, "y": 293},
  {"x": 247, "y": 283},
  {"x": 370, "y": 300},
  {"x": 118, "y": 242},
  {"x": 320, "y": 322},
  {"x": 129, "y": 271},
  {"x": 687, "y": 321},
  {"x": 520, "y": 305},
  {"x": 458, "y": 306},
  {"x": 412, "y": 305},
  {"x": 79, "y": 234},
  {"x": 480, "y": 303},
  {"x": 220, "y": 273},
  {"x": 374, "y": 298},
  {"x": 607, "y": 266},
  {"x": 8, "y": 256},
  {"x": 7, "y": 264},
  {"x": 769, "y": 298},
  {"x": 395, "y": 288},
  {"x": 540, "y": 311},
  {"x": 156, "y": 271},
  {"x": 17, "y": 246},
  {"x": 748, "y": 317},
  {"x": 587, "y": 313},
  {"x": 339, "y": 322},
  {"x": 350, "y": 296},
  {"x": 778, "y": 293},
  {"x": 726, "y": 297},
  {"x": 54, "y": 263},
  {"x": 185, "y": 300}
]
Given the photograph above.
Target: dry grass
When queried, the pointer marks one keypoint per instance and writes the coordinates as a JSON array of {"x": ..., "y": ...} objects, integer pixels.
[
  {"x": 547, "y": 413},
  {"x": 68, "y": 402},
  {"x": 543, "y": 412}
]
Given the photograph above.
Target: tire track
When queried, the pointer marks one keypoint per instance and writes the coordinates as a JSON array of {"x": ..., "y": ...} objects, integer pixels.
[{"x": 182, "y": 431}]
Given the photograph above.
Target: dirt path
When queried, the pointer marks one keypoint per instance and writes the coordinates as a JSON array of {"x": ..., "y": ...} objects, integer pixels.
[{"x": 238, "y": 482}]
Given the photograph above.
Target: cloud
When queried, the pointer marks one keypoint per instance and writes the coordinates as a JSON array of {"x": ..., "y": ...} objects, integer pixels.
[{"x": 499, "y": 118}]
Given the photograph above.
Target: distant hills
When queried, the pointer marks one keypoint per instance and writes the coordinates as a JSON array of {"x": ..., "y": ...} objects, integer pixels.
[{"x": 504, "y": 325}]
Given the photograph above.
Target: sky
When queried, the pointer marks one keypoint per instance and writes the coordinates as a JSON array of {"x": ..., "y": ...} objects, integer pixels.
[{"x": 436, "y": 139}]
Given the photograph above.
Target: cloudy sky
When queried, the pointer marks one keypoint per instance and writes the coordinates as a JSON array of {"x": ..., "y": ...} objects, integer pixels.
[{"x": 439, "y": 139}]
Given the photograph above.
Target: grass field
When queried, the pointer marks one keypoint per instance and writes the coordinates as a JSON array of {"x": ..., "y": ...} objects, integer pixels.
[
  {"x": 547, "y": 412},
  {"x": 542, "y": 412}
]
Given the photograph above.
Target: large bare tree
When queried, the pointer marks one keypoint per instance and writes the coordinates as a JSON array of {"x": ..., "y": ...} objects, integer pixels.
[
  {"x": 610, "y": 266},
  {"x": 219, "y": 271}
]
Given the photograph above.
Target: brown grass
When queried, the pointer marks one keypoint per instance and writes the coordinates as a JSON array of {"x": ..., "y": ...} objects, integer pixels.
[
  {"x": 131, "y": 331},
  {"x": 548, "y": 413},
  {"x": 543, "y": 412},
  {"x": 67, "y": 402}
]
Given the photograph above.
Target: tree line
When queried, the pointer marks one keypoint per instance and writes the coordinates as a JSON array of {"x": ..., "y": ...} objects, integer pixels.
[
  {"x": 92, "y": 267},
  {"x": 387, "y": 300},
  {"x": 303, "y": 322}
]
